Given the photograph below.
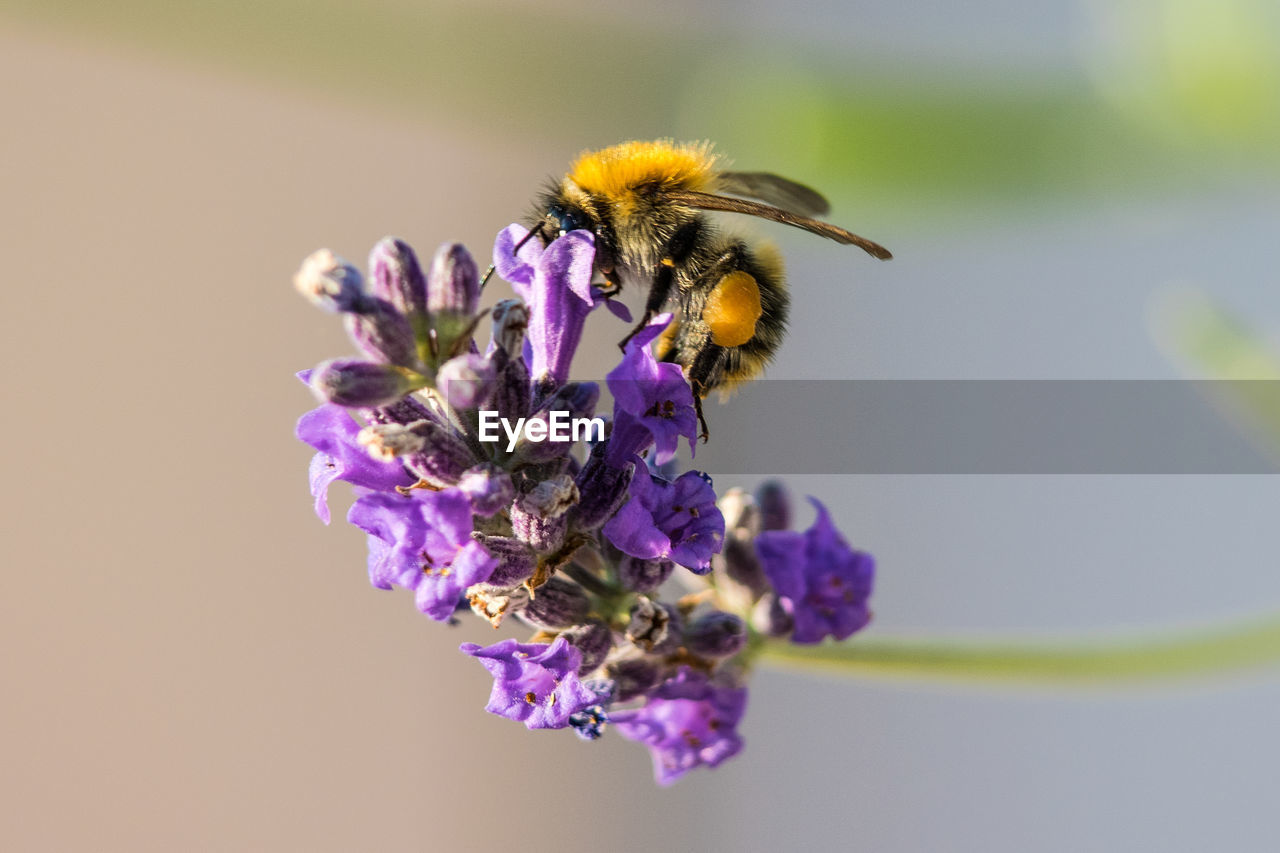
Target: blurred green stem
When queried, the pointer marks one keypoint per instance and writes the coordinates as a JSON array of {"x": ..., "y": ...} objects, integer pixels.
[{"x": 1174, "y": 655}]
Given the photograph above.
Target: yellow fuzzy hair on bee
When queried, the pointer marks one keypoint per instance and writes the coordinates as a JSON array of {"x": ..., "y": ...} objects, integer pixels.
[{"x": 614, "y": 172}]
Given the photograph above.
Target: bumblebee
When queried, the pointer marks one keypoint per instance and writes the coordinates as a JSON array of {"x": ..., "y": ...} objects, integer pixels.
[{"x": 645, "y": 203}]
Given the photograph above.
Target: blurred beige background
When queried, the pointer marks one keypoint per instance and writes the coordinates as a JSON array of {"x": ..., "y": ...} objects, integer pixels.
[{"x": 191, "y": 661}]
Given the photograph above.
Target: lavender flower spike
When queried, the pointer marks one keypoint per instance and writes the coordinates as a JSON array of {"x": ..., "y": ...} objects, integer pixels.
[
  {"x": 574, "y": 540},
  {"x": 534, "y": 683}
]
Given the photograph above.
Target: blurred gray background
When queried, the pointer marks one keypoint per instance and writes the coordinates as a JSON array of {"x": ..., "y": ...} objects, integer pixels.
[{"x": 190, "y": 660}]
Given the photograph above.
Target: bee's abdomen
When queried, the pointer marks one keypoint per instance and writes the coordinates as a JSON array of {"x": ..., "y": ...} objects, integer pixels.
[{"x": 734, "y": 315}]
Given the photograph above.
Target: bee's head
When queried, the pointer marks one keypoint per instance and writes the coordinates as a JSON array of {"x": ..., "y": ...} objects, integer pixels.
[
  {"x": 563, "y": 217},
  {"x": 564, "y": 208}
]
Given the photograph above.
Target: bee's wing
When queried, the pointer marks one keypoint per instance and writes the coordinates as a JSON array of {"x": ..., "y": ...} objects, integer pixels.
[
  {"x": 774, "y": 190},
  {"x": 707, "y": 201}
]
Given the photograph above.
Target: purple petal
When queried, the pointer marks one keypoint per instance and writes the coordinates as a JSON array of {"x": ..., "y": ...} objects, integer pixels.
[
  {"x": 687, "y": 723},
  {"x": 331, "y": 430},
  {"x": 633, "y": 532},
  {"x": 619, "y": 310},
  {"x": 559, "y": 303},
  {"x": 781, "y": 554},
  {"x": 324, "y": 470},
  {"x": 655, "y": 395},
  {"x": 517, "y": 269},
  {"x": 534, "y": 683},
  {"x": 382, "y": 574},
  {"x": 450, "y": 514}
]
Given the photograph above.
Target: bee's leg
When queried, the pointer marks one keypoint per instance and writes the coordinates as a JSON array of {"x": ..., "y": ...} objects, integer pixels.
[
  {"x": 676, "y": 252},
  {"x": 702, "y": 371},
  {"x": 612, "y": 287},
  {"x": 606, "y": 263},
  {"x": 704, "y": 433}
]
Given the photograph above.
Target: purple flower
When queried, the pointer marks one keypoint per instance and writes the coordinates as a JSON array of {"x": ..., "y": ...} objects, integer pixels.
[
  {"x": 822, "y": 581},
  {"x": 517, "y": 267},
  {"x": 534, "y": 683},
  {"x": 557, "y": 288},
  {"x": 331, "y": 430},
  {"x": 673, "y": 521},
  {"x": 688, "y": 722},
  {"x": 520, "y": 268},
  {"x": 423, "y": 542},
  {"x": 652, "y": 402},
  {"x": 555, "y": 282}
]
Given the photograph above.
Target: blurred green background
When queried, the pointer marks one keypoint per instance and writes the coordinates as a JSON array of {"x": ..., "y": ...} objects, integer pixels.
[
  {"x": 191, "y": 661},
  {"x": 1090, "y": 99}
]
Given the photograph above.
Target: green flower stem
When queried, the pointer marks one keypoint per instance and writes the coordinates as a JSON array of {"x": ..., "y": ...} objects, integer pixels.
[{"x": 1080, "y": 663}]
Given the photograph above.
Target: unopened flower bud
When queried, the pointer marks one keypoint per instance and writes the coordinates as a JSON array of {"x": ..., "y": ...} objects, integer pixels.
[
  {"x": 510, "y": 397},
  {"x": 632, "y": 677},
  {"x": 603, "y": 490},
  {"x": 387, "y": 441},
  {"x": 494, "y": 603},
  {"x": 772, "y": 617},
  {"x": 406, "y": 410},
  {"x": 382, "y": 332},
  {"x": 510, "y": 321},
  {"x": 654, "y": 627},
  {"x": 431, "y": 451},
  {"x": 558, "y": 603},
  {"x": 594, "y": 639},
  {"x": 543, "y": 534},
  {"x": 362, "y": 384},
  {"x": 396, "y": 276},
  {"x": 516, "y": 560},
  {"x": 643, "y": 575},
  {"x": 453, "y": 284},
  {"x": 738, "y": 571},
  {"x": 489, "y": 487},
  {"x": 443, "y": 461},
  {"x": 741, "y": 513},
  {"x": 739, "y": 576},
  {"x": 330, "y": 282},
  {"x": 551, "y": 498},
  {"x": 467, "y": 381},
  {"x": 775, "y": 506},
  {"x": 716, "y": 635}
]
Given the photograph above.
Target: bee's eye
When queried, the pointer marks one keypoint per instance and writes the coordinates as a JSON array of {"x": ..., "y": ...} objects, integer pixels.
[{"x": 569, "y": 219}]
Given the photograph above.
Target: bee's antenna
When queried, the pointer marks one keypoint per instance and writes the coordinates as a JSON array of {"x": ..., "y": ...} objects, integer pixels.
[{"x": 537, "y": 229}]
